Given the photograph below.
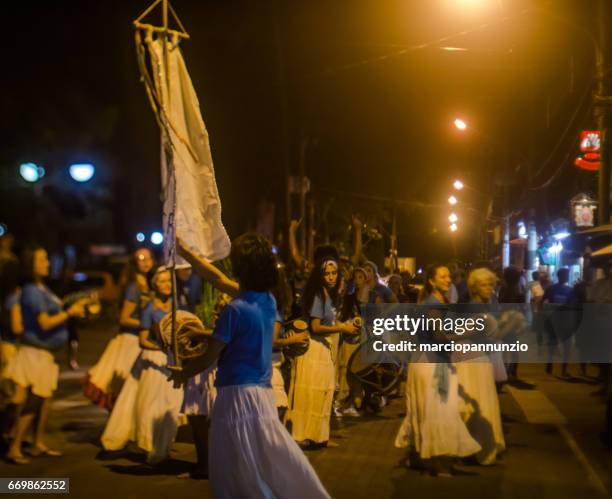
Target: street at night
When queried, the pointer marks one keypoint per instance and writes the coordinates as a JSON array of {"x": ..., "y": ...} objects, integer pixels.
[{"x": 552, "y": 438}]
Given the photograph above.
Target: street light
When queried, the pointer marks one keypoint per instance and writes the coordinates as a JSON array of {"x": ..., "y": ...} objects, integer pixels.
[
  {"x": 453, "y": 218},
  {"x": 452, "y": 200},
  {"x": 460, "y": 124},
  {"x": 82, "y": 172},
  {"x": 458, "y": 185},
  {"x": 157, "y": 238},
  {"x": 453, "y": 227},
  {"x": 31, "y": 172},
  {"x": 140, "y": 237}
]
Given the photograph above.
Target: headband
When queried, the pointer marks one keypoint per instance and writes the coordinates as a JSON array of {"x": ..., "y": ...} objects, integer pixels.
[{"x": 329, "y": 262}]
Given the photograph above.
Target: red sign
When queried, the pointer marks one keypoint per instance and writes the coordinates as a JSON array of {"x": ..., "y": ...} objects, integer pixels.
[
  {"x": 590, "y": 145},
  {"x": 590, "y": 141}
]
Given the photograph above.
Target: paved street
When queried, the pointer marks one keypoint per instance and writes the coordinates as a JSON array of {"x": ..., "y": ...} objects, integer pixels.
[{"x": 552, "y": 435}]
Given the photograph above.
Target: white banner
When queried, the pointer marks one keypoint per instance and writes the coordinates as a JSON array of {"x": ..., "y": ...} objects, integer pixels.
[{"x": 196, "y": 206}]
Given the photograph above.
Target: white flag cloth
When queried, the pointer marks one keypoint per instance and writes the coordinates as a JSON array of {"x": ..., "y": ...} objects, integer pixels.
[{"x": 196, "y": 207}]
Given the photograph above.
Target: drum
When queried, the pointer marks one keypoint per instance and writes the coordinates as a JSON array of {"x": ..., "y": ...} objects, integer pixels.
[
  {"x": 295, "y": 349},
  {"x": 93, "y": 307},
  {"x": 192, "y": 336}
]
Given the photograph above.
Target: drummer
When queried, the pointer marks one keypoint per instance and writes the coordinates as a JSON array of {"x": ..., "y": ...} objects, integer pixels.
[
  {"x": 313, "y": 378},
  {"x": 151, "y": 406}
]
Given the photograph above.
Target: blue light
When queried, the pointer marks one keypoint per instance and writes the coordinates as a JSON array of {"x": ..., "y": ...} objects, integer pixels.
[
  {"x": 82, "y": 172},
  {"x": 31, "y": 172},
  {"x": 79, "y": 277},
  {"x": 3, "y": 230},
  {"x": 556, "y": 248},
  {"x": 157, "y": 238},
  {"x": 274, "y": 250},
  {"x": 561, "y": 235},
  {"x": 140, "y": 237}
]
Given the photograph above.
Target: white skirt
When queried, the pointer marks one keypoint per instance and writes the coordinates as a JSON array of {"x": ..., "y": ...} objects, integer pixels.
[
  {"x": 252, "y": 454},
  {"x": 433, "y": 426},
  {"x": 200, "y": 393},
  {"x": 105, "y": 380},
  {"x": 119, "y": 428},
  {"x": 313, "y": 381},
  {"x": 147, "y": 410},
  {"x": 278, "y": 383},
  {"x": 34, "y": 368},
  {"x": 479, "y": 408}
]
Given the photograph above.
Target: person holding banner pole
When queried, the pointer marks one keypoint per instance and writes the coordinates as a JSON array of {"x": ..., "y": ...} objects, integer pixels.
[{"x": 248, "y": 443}]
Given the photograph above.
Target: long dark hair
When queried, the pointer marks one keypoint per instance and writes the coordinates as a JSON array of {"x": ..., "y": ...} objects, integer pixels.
[
  {"x": 430, "y": 274},
  {"x": 254, "y": 263},
  {"x": 315, "y": 286},
  {"x": 130, "y": 271}
]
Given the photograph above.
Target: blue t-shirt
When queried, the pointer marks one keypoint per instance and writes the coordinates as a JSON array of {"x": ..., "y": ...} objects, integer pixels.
[
  {"x": 246, "y": 325},
  {"x": 11, "y": 300},
  {"x": 323, "y": 310},
  {"x": 152, "y": 316},
  {"x": 132, "y": 294},
  {"x": 36, "y": 300},
  {"x": 557, "y": 293}
]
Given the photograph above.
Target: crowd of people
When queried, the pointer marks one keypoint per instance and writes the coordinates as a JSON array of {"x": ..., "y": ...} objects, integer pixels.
[{"x": 276, "y": 368}]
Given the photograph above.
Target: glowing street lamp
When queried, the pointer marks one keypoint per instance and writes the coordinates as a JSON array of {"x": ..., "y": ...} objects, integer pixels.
[
  {"x": 452, "y": 218},
  {"x": 458, "y": 185},
  {"x": 453, "y": 227},
  {"x": 31, "y": 172},
  {"x": 452, "y": 200},
  {"x": 460, "y": 124},
  {"x": 82, "y": 172},
  {"x": 157, "y": 238},
  {"x": 140, "y": 237}
]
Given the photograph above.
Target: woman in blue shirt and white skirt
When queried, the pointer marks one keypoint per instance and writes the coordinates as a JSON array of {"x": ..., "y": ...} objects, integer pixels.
[
  {"x": 252, "y": 454},
  {"x": 147, "y": 410},
  {"x": 33, "y": 368},
  {"x": 313, "y": 377}
]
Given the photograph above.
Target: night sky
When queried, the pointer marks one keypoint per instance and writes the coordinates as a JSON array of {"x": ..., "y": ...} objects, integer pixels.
[{"x": 377, "y": 128}]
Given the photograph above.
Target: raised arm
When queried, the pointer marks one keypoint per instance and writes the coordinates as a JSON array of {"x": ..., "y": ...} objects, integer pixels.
[
  {"x": 208, "y": 271},
  {"x": 293, "y": 247}
]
